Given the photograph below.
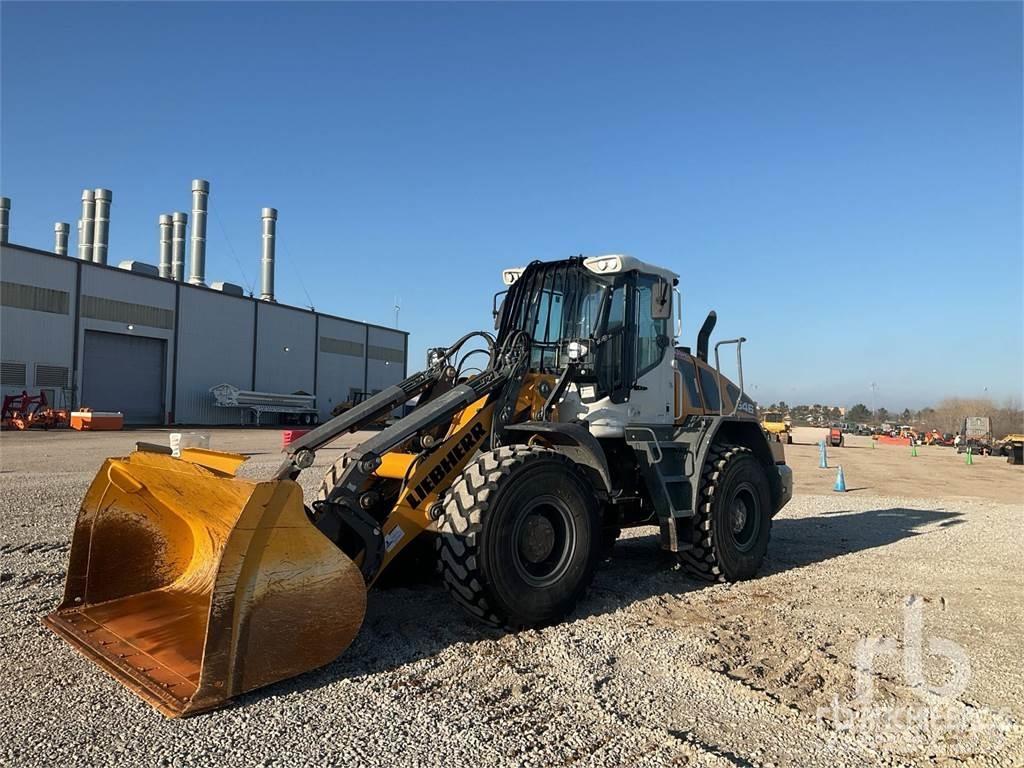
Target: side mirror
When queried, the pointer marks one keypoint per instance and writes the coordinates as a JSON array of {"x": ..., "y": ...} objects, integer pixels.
[
  {"x": 497, "y": 306},
  {"x": 661, "y": 300}
]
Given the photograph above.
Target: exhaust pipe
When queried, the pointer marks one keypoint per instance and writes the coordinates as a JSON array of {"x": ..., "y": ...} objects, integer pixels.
[
  {"x": 61, "y": 230},
  {"x": 267, "y": 259},
  {"x": 165, "y": 245},
  {"x": 704, "y": 334},
  {"x": 5, "y": 219},
  {"x": 101, "y": 231},
  {"x": 200, "y": 193},
  {"x": 179, "y": 223},
  {"x": 85, "y": 228}
]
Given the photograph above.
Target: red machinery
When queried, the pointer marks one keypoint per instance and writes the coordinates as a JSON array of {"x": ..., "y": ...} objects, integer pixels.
[
  {"x": 26, "y": 411},
  {"x": 835, "y": 437}
]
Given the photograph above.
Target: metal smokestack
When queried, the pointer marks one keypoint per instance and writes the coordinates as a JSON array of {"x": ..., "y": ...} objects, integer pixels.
[
  {"x": 267, "y": 259},
  {"x": 85, "y": 230},
  {"x": 200, "y": 193},
  {"x": 101, "y": 231},
  {"x": 61, "y": 230},
  {"x": 166, "y": 225},
  {"x": 179, "y": 223},
  {"x": 5, "y": 219}
]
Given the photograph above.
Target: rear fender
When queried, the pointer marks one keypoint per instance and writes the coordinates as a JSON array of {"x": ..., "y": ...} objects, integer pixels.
[{"x": 737, "y": 431}]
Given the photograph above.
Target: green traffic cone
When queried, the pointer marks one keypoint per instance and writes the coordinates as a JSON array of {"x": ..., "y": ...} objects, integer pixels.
[
  {"x": 913, "y": 450},
  {"x": 970, "y": 456}
]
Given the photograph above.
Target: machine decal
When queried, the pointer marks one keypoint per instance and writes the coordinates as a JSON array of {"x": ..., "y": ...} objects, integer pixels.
[{"x": 449, "y": 462}]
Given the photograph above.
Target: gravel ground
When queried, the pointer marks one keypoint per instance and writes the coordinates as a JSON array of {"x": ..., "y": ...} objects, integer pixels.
[{"x": 652, "y": 669}]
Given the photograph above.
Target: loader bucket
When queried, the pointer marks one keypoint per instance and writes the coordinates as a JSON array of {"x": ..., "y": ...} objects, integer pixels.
[{"x": 190, "y": 586}]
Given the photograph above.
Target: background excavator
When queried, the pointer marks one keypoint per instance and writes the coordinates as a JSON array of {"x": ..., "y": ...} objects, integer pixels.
[{"x": 191, "y": 585}]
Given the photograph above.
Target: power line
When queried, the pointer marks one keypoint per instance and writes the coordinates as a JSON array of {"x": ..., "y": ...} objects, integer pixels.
[
  {"x": 298, "y": 274},
  {"x": 234, "y": 255}
]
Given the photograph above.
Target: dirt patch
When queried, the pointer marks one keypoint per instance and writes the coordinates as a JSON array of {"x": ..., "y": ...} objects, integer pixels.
[{"x": 891, "y": 470}]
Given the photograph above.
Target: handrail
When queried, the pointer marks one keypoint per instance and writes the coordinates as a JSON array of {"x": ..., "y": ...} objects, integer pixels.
[
  {"x": 718, "y": 372},
  {"x": 678, "y": 393}
]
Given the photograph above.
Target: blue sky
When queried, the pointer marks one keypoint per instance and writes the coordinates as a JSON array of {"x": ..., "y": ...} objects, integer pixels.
[{"x": 842, "y": 182}]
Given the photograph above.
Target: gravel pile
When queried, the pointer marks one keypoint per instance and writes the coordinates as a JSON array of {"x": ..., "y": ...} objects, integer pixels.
[{"x": 653, "y": 668}]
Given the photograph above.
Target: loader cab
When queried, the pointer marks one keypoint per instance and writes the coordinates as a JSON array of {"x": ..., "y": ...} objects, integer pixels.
[{"x": 610, "y": 317}]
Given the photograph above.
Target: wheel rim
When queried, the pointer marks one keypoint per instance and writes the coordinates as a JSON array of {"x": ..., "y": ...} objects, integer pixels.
[
  {"x": 543, "y": 541},
  {"x": 744, "y": 517}
]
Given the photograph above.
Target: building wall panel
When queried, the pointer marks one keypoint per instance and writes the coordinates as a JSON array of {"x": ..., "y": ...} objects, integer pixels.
[
  {"x": 386, "y": 356},
  {"x": 286, "y": 340},
  {"x": 121, "y": 285},
  {"x": 215, "y": 347},
  {"x": 341, "y": 363},
  {"x": 36, "y": 338}
]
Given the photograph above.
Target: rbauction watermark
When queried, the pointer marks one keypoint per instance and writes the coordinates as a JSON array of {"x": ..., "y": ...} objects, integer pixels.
[{"x": 936, "y": 720}]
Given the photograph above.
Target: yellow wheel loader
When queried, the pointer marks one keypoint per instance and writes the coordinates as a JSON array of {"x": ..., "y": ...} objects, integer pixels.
[
  {"x": 190, "y": 585},
  {"x": 777, "y": 427}
]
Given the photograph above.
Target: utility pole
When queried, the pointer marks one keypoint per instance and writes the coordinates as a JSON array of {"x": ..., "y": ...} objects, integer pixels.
[
  {"x": 398, "y": 308},
  {"x": 874, "y": 388}
]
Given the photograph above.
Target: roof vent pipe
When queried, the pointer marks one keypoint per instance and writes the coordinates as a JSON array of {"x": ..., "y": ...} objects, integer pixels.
[
  {"x": 101, "y": 230},
  {"x": 179, "y": 223},
  {"x": 5, "y": 219},
  {"x": 85, "y": 230},
  {"x": 165, "y": 245},
  {"x": 200, "y": 193},
  {"x": 61, "y": 230},
  {"x": 267, "y": 259}
]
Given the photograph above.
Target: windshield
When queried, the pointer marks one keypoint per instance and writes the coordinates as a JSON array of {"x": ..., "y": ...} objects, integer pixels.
[
  {"x": 773, "y": 417},
  {"x": 554, "y": 304}
]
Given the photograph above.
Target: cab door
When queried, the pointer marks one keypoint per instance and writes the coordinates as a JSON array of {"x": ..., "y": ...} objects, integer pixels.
[{"x": 652, "y": 399}]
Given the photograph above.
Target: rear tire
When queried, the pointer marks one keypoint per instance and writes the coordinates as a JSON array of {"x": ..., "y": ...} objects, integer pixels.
[
  {"x": 519, "y": 537},
  {"x": 730, "y": 531}
]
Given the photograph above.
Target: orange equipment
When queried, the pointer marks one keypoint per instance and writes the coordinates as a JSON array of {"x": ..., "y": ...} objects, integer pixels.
[
  {"x": 835, "y": 437},
  {"x": 87, "y": 419}
]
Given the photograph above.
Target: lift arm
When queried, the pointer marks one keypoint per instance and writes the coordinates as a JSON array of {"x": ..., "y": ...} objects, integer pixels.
[{"x": 300, "y": 452}]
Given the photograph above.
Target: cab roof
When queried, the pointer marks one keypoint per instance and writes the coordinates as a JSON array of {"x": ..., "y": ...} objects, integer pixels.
[{"x": 608, "y": 264}]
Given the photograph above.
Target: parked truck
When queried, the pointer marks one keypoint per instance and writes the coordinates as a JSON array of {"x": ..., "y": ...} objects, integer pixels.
[{"x": 976, "y": 433}]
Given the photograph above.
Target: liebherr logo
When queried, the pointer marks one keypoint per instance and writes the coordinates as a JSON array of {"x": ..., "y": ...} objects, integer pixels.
[{"x": 465, "y": 446}]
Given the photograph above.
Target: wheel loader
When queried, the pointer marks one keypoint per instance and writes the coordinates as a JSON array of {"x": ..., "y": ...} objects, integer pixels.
[
  {"x": 777, "y": 427},
  {"x": 582, "y": 417}
]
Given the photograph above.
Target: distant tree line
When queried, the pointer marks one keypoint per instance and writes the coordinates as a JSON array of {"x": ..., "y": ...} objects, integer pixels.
[{"x": 947, "y": 416}]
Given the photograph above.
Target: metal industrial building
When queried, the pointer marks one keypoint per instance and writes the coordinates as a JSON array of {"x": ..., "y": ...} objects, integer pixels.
[{"x": 140, "y": 340}]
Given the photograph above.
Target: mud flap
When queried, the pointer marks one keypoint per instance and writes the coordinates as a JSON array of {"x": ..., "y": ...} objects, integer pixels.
[{"x": 190, "y": 586}]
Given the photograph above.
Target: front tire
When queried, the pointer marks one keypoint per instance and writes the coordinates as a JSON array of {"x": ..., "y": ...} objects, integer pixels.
[
  {"x": 730, "y": 531},
  {"x": 519, "y": 537}
]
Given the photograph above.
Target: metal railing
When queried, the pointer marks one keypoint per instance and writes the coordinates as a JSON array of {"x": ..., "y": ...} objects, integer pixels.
[{"x": 718, "y": 373}]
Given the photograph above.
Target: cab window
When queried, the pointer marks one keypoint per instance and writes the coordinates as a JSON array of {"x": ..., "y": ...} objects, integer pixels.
[
  {"x": 611, "y": 377},
  {"x": 652, "y": 335},
  {"x": 709, "y": 384},
  {"x": 689, "y": 372}
]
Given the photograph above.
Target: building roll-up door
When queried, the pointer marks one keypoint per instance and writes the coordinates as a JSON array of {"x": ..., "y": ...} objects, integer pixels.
[{"x": 124, "y": 373}]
